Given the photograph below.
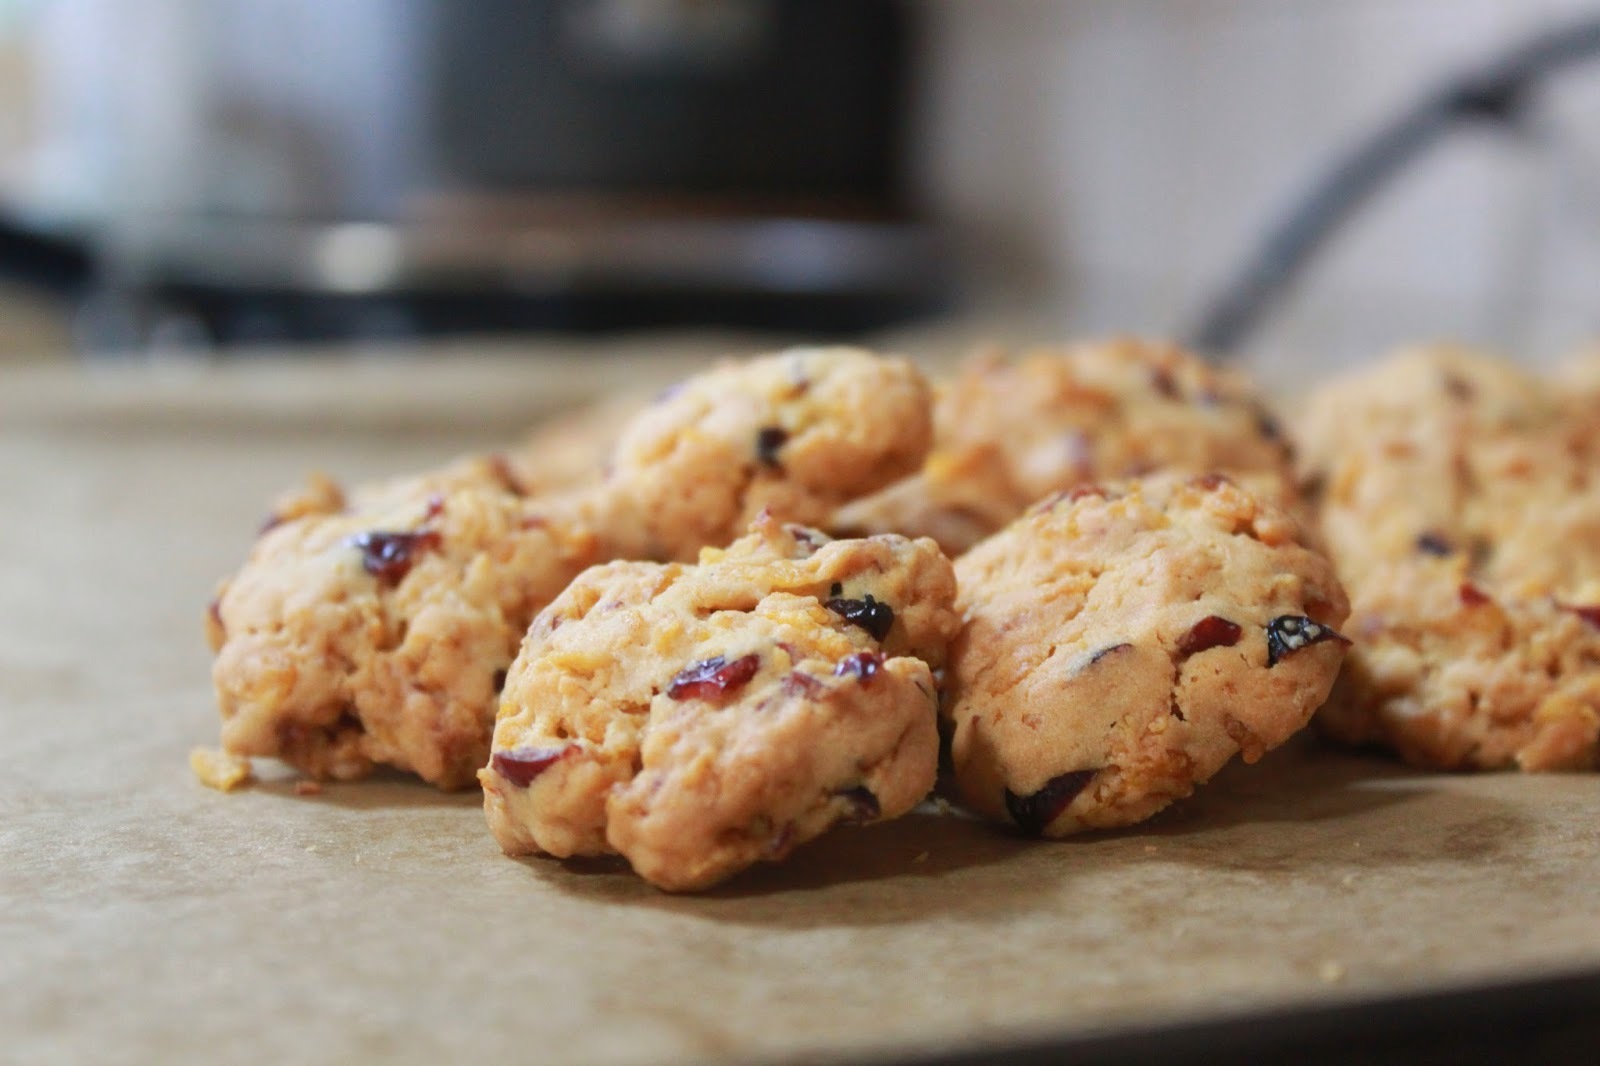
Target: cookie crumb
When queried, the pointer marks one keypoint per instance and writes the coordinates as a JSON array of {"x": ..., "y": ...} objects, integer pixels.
[
  {"x": 1331, "y": 972},
  {"x": 307, "y": 787},
  {"x": 220, "y": 770}
]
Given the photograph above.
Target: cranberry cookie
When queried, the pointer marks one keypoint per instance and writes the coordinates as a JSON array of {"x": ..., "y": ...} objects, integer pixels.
[
  {"x": 1461, "y": 499},
  {"x": 1009, "y": 432},
  {"x": 700, "y": 718},
  {"x": 1121, "y": 643},
  {"x": 375, "y": 630}
]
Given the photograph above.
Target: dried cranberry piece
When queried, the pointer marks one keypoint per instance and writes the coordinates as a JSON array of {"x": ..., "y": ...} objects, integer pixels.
[
  {"x": 435, "y": 506},
  {"x": 1289, "y": 633},
  {"x": 1210, "y": 482},
  {"x": 1590, "y": 614},
  {"x": 800, "y": 683},
  {"x": 806, "y": 538},
  {"x": 1163, "y": 382},
  {"x": 1107, "y": 650},
  {"x": 1212, "y": 631},
  {"x": 1472, "y": 595},
  {"x": 875, "y": 617},
  {"x": 769, "y": 441},
  {"x": 713, "y": 678},
  {"x": 864, "y": 806},
  {"x": 863, "y": 664},
  {"x": 1034, "y": 813},
  {"x": 1458, "y": 387},
  {"x": 1434, "y": 544},
  {"x": 1268, "y": 426},
  {"x": 521, "y": 765},
  {"x": 390, "y": 556}
]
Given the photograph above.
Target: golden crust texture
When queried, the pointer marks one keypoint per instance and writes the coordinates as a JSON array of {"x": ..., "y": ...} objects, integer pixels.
[
  {"x": 373, "y": 628},
  {"x": 1010, "y": 431},
  {"x": 700, "y": 718},
  {"x": 1460, "y": 496},
  {"x": 1121, "y": 643}
]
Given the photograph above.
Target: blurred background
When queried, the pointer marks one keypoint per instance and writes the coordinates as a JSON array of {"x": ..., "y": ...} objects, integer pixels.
[{"x": 1281, "y": 178}]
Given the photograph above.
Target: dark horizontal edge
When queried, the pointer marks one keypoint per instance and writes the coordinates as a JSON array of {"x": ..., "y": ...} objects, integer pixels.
[{"x": 1548, "y": 1020}]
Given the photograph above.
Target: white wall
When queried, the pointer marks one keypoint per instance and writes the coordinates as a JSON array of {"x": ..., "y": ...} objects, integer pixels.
[{"x": 1111, "y": 160}]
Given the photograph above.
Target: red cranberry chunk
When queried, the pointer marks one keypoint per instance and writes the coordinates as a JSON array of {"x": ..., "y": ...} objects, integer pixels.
[
  {"x": 1472, "y": 595},
  {"x": 875, "y": 617},
  {"x": 800, "y": 683},
  {"x": 1212, "y": 631},
  {"x": 769, "y": 441},
  {"x": 389, "y": 557},
  {"x": 521, "y": 765},
  {"x": 1590, "y": 614},
  {"x": 863, "y": 664},
  {"x": 1034, "y": 813},
  {"x": 713, "y": 678},
  {"x": 1289, "y": 633},
  {"x": 864, "y": 806}
]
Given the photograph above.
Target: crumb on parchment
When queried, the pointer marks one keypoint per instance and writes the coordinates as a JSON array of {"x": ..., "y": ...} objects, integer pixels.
[{"x": 219, "y": 770}]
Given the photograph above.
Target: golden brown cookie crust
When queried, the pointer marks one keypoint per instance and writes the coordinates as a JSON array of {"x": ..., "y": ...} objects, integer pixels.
[
  {"x": 1009, "y": 431},
  {"x": 798, "y": 434},
  {"x": 372, "y": 628},
  {"x": 1120, "y": 643},
  {"x": 699, "y": 718},
  {"x": 1460, "y": 496}
]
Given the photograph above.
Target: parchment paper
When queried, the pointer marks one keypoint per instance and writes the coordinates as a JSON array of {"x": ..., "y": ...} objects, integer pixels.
[{"x": 145, "y": 918}]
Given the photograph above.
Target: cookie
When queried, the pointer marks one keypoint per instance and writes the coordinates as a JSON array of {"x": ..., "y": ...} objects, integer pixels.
[
  {"x": 798, "y": 435},
  {"x": 1460, "y": 496},
  {"x": 375, "y": 629},
  {"x": 1454, "y": 677},
  {"x": 1581, "y": 374},
  {"x": 697, "y": 719},
  {"x": 1434, "y": 450},
  {"x": 1121, "y": 643},
  {"x": 377, "y": 635},
  {"x": 571, "y": 450},
  {"x": 1009, "y": 432}
]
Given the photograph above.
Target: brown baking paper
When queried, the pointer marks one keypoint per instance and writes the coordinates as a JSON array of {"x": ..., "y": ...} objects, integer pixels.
[{"x": 146, "y": 918}]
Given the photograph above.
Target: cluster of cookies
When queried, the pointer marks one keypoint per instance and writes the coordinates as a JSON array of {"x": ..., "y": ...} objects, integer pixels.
[{"x": 700, "y": 634}]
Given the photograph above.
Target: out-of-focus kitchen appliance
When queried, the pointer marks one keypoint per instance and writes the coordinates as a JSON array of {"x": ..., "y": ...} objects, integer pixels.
[{"x": 263, "y": 170}]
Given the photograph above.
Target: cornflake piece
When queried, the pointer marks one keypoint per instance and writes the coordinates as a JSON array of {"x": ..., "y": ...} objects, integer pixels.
[{"x": 220, "y": 770}]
